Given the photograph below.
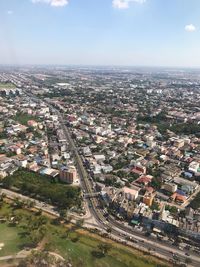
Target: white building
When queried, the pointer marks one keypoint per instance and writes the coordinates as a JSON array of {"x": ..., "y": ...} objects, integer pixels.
[{"x": 131, "y": 193}]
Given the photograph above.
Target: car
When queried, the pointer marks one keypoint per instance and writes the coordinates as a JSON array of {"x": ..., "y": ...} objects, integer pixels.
[{"x": 187, "y": 254}]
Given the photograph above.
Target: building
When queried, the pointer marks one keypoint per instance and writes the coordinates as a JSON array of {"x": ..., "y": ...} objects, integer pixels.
[
  {"x": 68, "y": 175},
  {"x": 144, "y": 180},
  {"x": 131, "y": 193},
  {"x": 194, "y": 166},
  {"x": 179, "y": 142},
  {"x": 150, "y": 141},
  {"x": 32, "y": 123},
  {"x": 148, "y": 198},
  {"x": 170, "y": 187}
]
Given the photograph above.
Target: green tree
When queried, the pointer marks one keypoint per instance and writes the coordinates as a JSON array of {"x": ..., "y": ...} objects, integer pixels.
[{"x": 104, "y": 248}]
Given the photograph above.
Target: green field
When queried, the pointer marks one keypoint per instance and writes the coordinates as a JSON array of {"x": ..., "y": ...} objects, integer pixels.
[
  {"x": 74, "y": 244},
  {"x": 7, "y": 85},
  {"x": 9, "y": 235},
  {"x": 24, "y": 118},
  {"x": 80, "y": 253}
]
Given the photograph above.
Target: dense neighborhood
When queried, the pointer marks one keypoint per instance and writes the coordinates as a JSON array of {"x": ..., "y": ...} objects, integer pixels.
[{"x": 137, "y": 135}]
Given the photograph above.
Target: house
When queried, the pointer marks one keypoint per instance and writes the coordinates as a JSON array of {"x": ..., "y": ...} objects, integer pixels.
[
  {"x": 87, "y": 151},
  {"x": 178, "y": 198},
  {"x": 32, "y": 123},
  {"x": 49, "y": 171},
  {"x": 144, "y": 180},
  {"x": 170, "y": 187},
  {"x": 20, "y": 161},
  {"x": 99, "y": 158},
  {"x": 193, "y": 166},
  {"x": 107, "y": 168}
]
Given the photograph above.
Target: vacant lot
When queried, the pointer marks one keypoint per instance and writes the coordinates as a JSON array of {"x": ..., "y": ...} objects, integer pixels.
[
  {"x": 24, "y": 118},
  {"x": 7, "y": 86}
]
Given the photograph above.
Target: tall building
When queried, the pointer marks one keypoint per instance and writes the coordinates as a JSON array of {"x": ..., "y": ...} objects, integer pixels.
[
  {"x": 68, "y": 175},
  {"x": 148, "y": 198}
]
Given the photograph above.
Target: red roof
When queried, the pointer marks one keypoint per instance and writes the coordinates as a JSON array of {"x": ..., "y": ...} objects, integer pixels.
[
  {"x": 178, "y": 197},
  {"x": 143, "y": 180},
  {"x": 149, "y": 189}
]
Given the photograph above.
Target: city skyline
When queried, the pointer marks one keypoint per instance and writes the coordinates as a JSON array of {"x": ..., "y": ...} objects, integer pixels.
[{"x": 118, "y": 32}]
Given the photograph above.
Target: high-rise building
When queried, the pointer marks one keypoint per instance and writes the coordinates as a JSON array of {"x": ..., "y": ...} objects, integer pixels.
[
  {"x": 68, "y": 175},
  {"x": 148, "y": 198}
]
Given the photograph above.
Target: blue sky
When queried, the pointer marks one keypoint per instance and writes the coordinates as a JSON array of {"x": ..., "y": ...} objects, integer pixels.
[{"x": 100, "y": 32}]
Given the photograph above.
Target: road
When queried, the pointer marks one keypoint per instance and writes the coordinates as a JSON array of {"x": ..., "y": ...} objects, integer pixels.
[
  {"x": 40, "y": 205},
  {"x": 119, "y": 231}
]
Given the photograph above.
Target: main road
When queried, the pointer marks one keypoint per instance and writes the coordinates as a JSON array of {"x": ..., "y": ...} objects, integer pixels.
[{"x": 118, "y": 230}]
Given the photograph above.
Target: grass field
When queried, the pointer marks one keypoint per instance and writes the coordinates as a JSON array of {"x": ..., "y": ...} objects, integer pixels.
[
  {"x": 72, "y": 243},
  {"x": 11, "y": 239},
  {"x": 9, "y": 235},
  {"x": 7, "y": 85},
  {"x": 80, "y": 253},
  {"x": 24, "y": 118}
]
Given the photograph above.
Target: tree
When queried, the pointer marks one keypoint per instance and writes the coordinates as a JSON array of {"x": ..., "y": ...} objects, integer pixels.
[
  {"x": 18, "y": 204},
  {"x": 109, "y": 230},
  {"x": 155, "y": 206},
  {"x": 104, "y": 248},
  {"x": 3, "y": 195},
  {"x": 188, "y": 261},
  {"x": 63, "y": 214},
  {"x": 62, "y": 196},
  {"x": 80, "y": 222},
  {"x": 30, "y": 203}
]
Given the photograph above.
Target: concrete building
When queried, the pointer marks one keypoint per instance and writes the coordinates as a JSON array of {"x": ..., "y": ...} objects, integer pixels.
[
  {"x": 68, "y": 175},
  {"x": 194, "y": 166},
  {"x": 170, "y": 187},
  {"x": 148, "y": 198},
  {"x": 131, "y": 193}
]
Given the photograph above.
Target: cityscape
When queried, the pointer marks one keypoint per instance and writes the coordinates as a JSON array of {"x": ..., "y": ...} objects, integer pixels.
[
  {"x": 99, "y": 133},
  {"x": 127, "y": 154}
]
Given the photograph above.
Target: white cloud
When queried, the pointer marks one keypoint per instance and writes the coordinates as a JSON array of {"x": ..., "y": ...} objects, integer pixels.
[
  {"x": 54, "y": 3},
  {"x": 190, "y": 28},
  {"x": 123, "y": 4},
  {"x": 10, "y": 12}
]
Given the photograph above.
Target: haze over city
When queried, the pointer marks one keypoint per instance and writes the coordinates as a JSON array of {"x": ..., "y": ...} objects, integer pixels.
[{"x": 100, "y": 32}]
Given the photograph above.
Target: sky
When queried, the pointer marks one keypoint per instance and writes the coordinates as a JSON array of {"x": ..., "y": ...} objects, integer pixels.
[{"x": 100, "y": 32}]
